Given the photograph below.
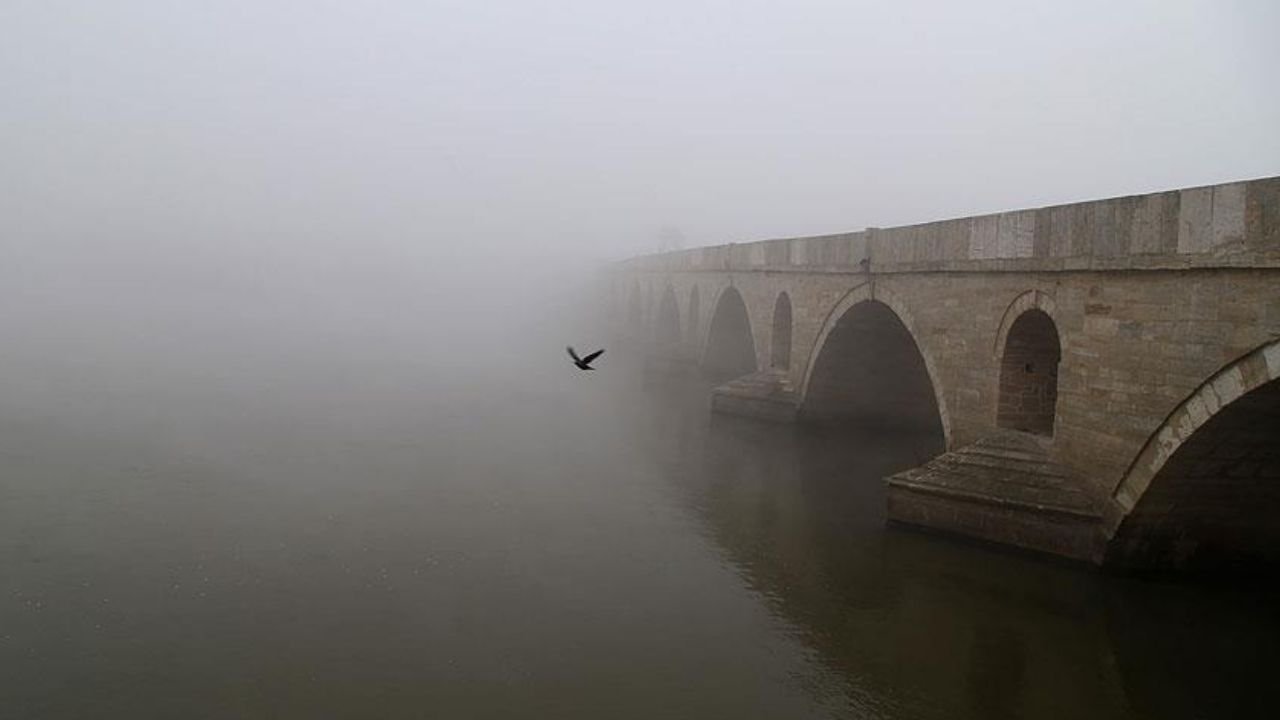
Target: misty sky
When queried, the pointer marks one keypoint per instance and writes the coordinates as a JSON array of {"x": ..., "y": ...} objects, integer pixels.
[{"x": 279, "y": 134}]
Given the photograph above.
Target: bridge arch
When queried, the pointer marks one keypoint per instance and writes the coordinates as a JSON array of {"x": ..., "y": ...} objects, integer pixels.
[
  {"x": 866, "y": 361},
  {"x": 1028, "y": 352},
  {"x": 1204, "y": 492},
  {"x": 1029, "y": 300},
  {"x": 730, "y": 348},
  {"x": 667, "y": 327},
  {"x": 780, "y": 353}
]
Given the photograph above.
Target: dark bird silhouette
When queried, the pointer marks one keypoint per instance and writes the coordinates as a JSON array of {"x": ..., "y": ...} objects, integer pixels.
[{"x": 584, "y": 363}]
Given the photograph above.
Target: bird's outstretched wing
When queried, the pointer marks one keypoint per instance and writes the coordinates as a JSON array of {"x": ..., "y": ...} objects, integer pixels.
[
  {"x": 587, "y": 360},
  {"x": 573, "y": 354}
]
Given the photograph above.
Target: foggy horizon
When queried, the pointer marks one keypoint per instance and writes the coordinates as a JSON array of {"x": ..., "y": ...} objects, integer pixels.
[{"x": 277, "y": 133}]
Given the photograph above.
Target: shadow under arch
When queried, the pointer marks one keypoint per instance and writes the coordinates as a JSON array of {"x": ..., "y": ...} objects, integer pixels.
[
  {"x": 1029, "y": 300},
  {"x": 895, "y": 326},
  {"x": 1027, "y": 397},
  {"x": 1026, "y": 382},
  {"x": 1203, "y": 494},
  {"x": 730, "y": 349}
]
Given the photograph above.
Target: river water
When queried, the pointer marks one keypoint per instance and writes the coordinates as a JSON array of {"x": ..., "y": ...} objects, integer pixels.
[{"x": 314, "y": 531}]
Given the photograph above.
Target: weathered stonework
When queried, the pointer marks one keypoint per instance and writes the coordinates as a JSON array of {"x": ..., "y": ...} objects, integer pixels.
[{"x": 1166, "y": 308}]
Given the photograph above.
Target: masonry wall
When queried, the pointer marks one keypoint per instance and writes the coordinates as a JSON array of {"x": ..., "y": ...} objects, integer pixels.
[{"x": 1134, "y": 343}]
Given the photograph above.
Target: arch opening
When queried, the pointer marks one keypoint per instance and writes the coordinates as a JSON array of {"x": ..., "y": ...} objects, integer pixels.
[
  {"x": 694, "y": 311},
  {"x": 730, "y": 350},
  {"x": 1028, "y": 396},
  {"x": 1212, "y": 507},
  {"x": 870, "y": 370},
  {"x": 780, "y": 355},
  {"x": 668, "y": 326}
]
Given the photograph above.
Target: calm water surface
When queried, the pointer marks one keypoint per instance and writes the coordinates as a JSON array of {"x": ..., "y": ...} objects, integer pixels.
[{"x": 342, "y": 538}]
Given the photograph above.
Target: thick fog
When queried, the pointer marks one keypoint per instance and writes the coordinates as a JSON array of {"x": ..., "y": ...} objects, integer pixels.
[
  {"x": 287, "y": 428},
  {"x": 299, "y": 137},
  {"x": 187, "y": 186}
]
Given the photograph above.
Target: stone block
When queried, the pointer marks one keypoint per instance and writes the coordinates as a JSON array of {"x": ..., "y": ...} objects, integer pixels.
[
  {"x": 984, "y": 237},
  {"x": 796, "y": 253},
  {"x": 1082, "y": 229},
  {"x": 1041, "y": 242},
  {"x": 1253, "y": 371},
  {"x": 1170, "y": 207},
  {"x": 906, "y": 244},
  {"x": 858, "y": 248},
  {"x": 1228, "y": 215},
  {"x": 1060, "y": 231},
  {"x": 935, "y": 236},
  {"x": 1272, "y": 355},
  {"x": 954, "y": 239},
  {"x": 1195, "y": 220},
  {"x": 1198, "y": 410},
  {"x": 1146, "y": 224},
  {"x": 1124, "y": 213},
  {"x": 1015, "y": 234},
  {"x": 1228, "y": 385},
  {"x": 1106, "y": 241},
  {"x": 902, "y": 243},
  {"x": 1262, "y": 214}
]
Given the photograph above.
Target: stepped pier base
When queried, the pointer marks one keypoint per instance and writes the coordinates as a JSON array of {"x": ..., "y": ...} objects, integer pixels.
[
  {"x": 1003, "y": 489},
  {"x": 764, "y": 395}
]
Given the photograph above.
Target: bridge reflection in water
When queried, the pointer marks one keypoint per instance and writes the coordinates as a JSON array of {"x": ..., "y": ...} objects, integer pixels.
[{"x": 909, "y": 626}]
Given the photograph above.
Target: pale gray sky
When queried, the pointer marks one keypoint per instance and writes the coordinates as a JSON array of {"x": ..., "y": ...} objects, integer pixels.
[{"x": 268, "y": 132}]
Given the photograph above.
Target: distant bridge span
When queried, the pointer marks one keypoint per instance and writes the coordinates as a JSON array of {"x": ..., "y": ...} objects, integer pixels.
[{"x": 1101, "y": 377}]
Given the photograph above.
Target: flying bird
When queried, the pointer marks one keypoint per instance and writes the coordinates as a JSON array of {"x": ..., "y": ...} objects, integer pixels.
[{"x": 584, "y": 363}]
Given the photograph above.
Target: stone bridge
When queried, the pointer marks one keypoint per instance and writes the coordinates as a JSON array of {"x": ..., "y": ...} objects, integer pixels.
[{"x": 1095, "y": 380}]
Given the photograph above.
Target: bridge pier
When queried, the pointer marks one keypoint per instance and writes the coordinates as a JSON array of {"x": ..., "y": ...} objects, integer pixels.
[{"x": 764, "y": 395}]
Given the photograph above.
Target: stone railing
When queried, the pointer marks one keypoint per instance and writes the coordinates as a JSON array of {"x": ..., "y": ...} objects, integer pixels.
[{"x": 1229, "y": 225}]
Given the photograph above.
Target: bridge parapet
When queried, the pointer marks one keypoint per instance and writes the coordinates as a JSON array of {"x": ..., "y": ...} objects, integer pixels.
[{"x": 1229, "y": 225}]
